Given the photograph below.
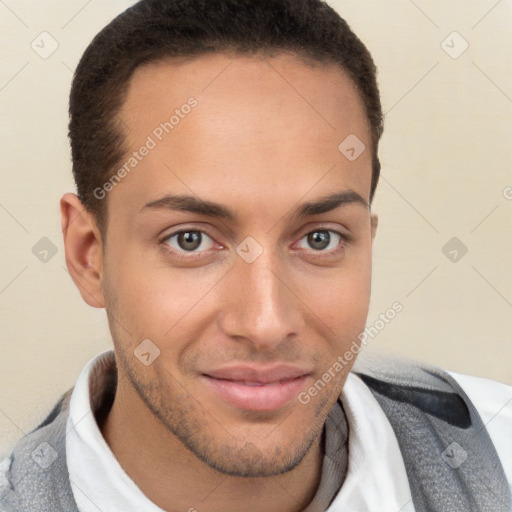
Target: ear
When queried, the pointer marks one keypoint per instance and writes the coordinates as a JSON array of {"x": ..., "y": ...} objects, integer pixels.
[
  {"x": 83, "y": 248},
  {"x": 374, "y": 224}
]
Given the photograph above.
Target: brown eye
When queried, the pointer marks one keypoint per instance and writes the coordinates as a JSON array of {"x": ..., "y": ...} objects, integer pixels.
[
  {"x": 321, "y": 240},
  {"x": 190, "y": 241}
]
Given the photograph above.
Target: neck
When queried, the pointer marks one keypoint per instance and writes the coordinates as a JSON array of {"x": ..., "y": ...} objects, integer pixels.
[{"x": 174, "y": 479}]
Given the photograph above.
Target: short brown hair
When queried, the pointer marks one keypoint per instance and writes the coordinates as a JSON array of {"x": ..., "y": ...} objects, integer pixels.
[{"x": 154, "y": 29}]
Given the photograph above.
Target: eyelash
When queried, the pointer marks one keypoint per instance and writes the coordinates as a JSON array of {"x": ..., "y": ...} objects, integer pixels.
[{"x": 193, "y": 255}]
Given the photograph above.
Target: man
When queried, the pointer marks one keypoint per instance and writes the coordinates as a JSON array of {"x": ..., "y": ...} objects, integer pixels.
[{"x": 226, "y": 156}]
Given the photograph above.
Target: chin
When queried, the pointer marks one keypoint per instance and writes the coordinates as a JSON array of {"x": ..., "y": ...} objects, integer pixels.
[{"x": 251, "y": 462}]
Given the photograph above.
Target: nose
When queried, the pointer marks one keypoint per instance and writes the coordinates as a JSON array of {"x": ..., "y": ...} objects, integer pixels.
[{"x": 260, "y": 305}]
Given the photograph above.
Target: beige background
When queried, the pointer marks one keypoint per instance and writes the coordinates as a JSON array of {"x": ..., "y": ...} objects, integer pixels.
[{"x": 447, "y": 163}]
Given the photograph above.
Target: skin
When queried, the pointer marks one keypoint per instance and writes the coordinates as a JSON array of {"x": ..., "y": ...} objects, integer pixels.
[{"x": 262, "y": 140}]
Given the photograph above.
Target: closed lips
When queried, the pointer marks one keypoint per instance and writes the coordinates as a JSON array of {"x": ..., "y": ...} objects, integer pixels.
[
  {"x": 256, "y": 390},
  {"x": 252, "y": 376}
]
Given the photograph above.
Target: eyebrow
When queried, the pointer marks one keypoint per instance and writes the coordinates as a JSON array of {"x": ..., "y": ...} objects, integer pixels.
[{"x": 202, "y": 207}]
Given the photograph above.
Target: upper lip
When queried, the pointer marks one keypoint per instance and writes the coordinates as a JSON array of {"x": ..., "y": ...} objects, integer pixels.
[{"x": 263, "y": 375}]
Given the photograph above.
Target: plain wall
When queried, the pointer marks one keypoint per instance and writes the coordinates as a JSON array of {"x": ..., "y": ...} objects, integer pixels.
[{"x": 446, "y": 172}]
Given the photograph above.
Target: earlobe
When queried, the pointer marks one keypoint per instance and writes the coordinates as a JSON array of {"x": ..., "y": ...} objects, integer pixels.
[{"x": 83, "y": 248}]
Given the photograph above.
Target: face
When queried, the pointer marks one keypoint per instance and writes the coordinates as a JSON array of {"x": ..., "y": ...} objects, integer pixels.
[{"x": 239, "y": 244}]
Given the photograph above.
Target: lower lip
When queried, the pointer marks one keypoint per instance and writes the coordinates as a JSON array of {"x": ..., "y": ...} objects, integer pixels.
[{"x": 268, "y": 397}]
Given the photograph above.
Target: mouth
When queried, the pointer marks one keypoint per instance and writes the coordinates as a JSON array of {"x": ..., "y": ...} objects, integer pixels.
[{"x": 254, "y": 390}]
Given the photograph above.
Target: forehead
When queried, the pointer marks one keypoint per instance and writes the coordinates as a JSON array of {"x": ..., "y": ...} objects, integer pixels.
[
  {"x": 280, "y": 88},
  {"x": 259, "y": 127}
]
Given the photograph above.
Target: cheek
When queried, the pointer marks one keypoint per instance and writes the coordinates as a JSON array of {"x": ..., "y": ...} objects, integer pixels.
[
  {"x": 344, "y": 309},
  {"x": 153, "y": 298},
  {"x": 341, "y": 297},
  {"x": 137, "y": 294}
]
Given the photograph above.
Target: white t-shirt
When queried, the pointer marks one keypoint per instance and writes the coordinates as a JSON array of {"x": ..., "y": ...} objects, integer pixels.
[{"x": 376, "y": 480}]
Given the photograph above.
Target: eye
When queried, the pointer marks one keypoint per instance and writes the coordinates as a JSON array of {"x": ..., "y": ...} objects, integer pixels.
[
  {"x": 321, "y": 240},
  {"x": 189, "y": 241}
]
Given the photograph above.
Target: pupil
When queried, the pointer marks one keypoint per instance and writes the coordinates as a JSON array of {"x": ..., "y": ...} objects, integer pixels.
[
  {"x": 189, "y": 240},
  {"x": 319, "y": 239}
]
